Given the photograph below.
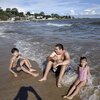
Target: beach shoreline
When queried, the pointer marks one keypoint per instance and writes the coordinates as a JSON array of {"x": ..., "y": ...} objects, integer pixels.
[{"x": 24, "y": 84}]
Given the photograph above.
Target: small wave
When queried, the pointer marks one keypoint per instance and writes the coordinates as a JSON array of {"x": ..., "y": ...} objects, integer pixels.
[
  {"x": 1, "y": 34},
  {"x": 69, "y": 78},
  {"x": 96, "y": 23},
  {"x": 32, "y": 50},
  {"x": 90, "y": 92},
  {"x": 59, "y": 25}
]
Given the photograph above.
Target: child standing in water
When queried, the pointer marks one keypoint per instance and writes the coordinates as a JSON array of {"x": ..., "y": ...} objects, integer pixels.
[
  {"x": 19, "y": 63},
  {"x": 83, "y": 74}
]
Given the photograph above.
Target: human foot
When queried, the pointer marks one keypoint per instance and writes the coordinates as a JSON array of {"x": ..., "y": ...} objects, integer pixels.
[
  {"x": 35, "y": 74},
  {"x": 65, "y": 96},
  {"x": 42, "y": 79},
  {"x": 69, "y": 97},
  {"x": 59, "y": 85}
]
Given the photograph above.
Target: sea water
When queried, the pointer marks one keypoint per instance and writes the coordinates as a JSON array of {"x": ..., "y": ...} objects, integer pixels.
[{"x": 80, "y": 37}]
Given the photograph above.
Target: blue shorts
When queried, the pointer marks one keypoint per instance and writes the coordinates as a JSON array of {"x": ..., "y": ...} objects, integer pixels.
[{"x": 67, "y": 68}]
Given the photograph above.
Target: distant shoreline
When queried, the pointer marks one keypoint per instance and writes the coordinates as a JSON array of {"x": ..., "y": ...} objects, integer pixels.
[
  {"x": 7, "y": 21},
  {"x": 32, "y": 20}
]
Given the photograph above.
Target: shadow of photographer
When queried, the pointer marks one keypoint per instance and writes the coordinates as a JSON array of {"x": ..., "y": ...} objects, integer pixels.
[{"x": 23, "y": 93}]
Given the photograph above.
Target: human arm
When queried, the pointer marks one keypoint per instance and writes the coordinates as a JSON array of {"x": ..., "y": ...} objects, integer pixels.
[
  {"x": 52, "y": 57},
  {"x": 66, "y": 60},
  {"x": 10, "y": 67}
]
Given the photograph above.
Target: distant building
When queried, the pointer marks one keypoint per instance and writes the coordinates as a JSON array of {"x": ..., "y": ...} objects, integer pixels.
[
  {"x": 39, "y": 17},
  {"x": 29, "y": 17}
]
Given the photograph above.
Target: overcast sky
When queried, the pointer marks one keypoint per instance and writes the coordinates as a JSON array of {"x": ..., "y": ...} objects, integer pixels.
[{"x": 80, "y": 8}]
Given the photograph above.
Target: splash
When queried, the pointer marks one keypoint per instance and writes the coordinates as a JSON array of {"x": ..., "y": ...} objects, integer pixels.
[
  {"x": 59, "y": 25},
  {"x": 32, "y": 50}
]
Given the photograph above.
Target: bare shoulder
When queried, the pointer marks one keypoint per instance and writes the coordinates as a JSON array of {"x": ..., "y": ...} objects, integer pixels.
[
  {"x": 13, "y": 58},
  {"x": 66, "y": 52}
]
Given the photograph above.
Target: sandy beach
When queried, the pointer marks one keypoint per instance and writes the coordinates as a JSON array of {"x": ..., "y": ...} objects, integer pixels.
[{"x": 25, "y": 87}]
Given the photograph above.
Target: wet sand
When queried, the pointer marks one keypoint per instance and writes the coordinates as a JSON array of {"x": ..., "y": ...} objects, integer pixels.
[{"x": 25, "y": 87}]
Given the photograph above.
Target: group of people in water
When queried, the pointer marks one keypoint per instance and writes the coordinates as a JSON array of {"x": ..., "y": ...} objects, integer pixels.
[{"x": 58, "y": 58}]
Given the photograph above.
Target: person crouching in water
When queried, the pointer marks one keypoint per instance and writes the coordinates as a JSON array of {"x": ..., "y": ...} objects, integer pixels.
[
  {"x": 59, "y": 57},
  {"x": 83, "y": 74},
  {"x": 19, "y": 63}
]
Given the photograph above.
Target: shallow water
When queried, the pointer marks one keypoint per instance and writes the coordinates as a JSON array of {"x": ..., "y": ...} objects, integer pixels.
[{"x": 80, "y": 37}]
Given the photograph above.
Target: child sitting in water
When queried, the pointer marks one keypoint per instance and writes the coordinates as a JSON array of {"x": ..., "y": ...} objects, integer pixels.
[
  {"x": 83, "y": 74},
  {"x": 19, "y": 63}
]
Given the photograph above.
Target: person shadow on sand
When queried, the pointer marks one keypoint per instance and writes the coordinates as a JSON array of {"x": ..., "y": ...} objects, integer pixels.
[{"x": 23, "y": 93}]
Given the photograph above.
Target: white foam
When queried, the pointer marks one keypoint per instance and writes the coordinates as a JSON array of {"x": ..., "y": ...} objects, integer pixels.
[
  {"x": 59, "y": 25},
  {"x": 1, "y": 33},
  {"x": 69, "y": 78},
  {"x": 90, "y": 92},
  {"x": 32, "y": 50},
  {"x": 94, "y": 97}
]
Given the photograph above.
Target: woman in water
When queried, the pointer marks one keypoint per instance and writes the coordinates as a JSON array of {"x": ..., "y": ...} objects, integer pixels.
[{"x": 83, "y": 74}]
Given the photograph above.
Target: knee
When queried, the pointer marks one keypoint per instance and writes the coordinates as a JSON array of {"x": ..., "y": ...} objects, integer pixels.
[
  {"x": 22, "y": 62},
  {"x": 74, "y": 86},
  {"x": 25, "y": 60}
]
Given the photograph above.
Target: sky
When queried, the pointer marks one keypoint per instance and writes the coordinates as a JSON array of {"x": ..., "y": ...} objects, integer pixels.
[{"x": 79, "y": 8}]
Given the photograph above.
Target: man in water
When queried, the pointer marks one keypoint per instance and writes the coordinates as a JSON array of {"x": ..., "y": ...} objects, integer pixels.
[{"x": 59, "y": 57}]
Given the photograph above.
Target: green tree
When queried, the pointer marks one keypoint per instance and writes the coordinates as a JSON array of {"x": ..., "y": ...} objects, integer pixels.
[
  {"x": 28, "y": 13},
  {"x": 8, "y": 9},
  {"x": 1, "y": 10},
  {"x": 55, "y": 15},
  {"x": 21, "y": 14},
  {"x": 42, "y": 14},
  {"x": 14, "y": 11}
]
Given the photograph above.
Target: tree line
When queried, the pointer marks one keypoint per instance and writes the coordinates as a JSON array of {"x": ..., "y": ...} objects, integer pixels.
[{"x": 9, "y": 13}]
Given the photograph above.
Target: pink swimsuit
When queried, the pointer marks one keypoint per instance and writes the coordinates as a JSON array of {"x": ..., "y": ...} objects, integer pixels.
[{"x": 83, "y": 74}]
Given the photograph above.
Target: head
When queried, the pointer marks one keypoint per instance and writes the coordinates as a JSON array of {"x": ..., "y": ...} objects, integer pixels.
[
  {"x": 15, "y": 52},
  {"x": 59, "y": 48},
  {"x": 83, "y": 61}
]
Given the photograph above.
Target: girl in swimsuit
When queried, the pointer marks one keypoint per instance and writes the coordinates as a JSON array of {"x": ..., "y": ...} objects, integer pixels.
[{"x": 83, "y": 73}]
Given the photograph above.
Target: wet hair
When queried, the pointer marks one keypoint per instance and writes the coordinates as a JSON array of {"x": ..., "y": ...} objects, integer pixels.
[
  {"x": 14, "y": 49},
  {"x": 83, "y": 58},
  {"x": 60, "y": 46}
]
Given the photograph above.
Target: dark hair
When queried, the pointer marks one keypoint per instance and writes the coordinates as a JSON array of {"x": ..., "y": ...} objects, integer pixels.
[
  {"x": 83, "y": 58},
  {"x": 14, "y": 49},
  {"x": 60, "y": 46}
]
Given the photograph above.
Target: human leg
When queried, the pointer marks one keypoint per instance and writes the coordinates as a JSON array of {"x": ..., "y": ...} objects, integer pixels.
[
  {"x": 63, "y": 68},
  {"x": 81, "y": 84},
  {"x": 49, "y": 65},
  {"x": 72, "y": 88},
  {"x": 27, "y": 71},
  {"x": 28, "y": 64}
]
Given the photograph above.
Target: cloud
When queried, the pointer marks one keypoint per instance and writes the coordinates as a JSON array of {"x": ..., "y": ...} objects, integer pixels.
[
  {"x": 71, "y": 7},
  {"x": 88, "y": 12},
  {"x": 72, "y": 12}
]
